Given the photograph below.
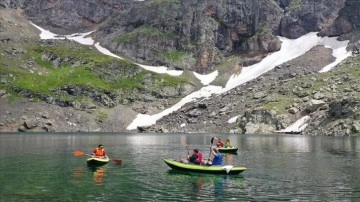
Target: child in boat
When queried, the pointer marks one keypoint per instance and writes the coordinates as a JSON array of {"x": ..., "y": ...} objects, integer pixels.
[{"x": 228, "y": 143}]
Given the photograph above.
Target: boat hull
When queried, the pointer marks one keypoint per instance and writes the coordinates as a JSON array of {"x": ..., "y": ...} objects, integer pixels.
[
  {"x": 93, "y": 161},
  {"x": 227, "y": 149},
  {"x": 226, "y": 170}
]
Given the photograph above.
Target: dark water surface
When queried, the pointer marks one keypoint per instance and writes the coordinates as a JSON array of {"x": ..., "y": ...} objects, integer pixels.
[{"x": 42, "y": 167}]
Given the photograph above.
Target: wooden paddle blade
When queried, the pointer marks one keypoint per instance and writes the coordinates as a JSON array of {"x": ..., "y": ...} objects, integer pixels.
[
  {"x": 79, "y": 153},
  {"x": 117, "y": 160}
]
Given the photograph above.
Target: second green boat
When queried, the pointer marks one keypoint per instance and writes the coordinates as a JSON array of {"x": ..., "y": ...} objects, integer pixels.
[{"x": 227, "y": 149}]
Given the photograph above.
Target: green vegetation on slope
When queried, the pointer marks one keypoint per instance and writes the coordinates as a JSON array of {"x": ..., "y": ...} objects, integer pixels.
[
  {"x": 173, "y": 56},
  {"x": 344, "y": 78},
  {"x": 77, "y": 66}
]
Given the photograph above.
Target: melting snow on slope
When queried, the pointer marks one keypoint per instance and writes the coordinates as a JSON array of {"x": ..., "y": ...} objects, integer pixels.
[
  {"x": 82, "y": 39},
  {"x": 105, "y": 51},
  {"x": 148, "y": 120},
  {"x": 339, "y": 51},
  {"x": 46, "y": 34},
  {"x": 296, "y": 127},
  {"x": 233, "y": 119},
  {"x": 207, "y": 79},
  {"x": 161, "y": 70},
  {"x": 290, "y": 49}
]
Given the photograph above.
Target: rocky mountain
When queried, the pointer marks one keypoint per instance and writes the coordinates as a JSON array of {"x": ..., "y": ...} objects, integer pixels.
[{"x": 190, "y": 35}]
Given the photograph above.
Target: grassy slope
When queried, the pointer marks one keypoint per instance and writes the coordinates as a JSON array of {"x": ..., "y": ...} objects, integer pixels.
[{"x": 42, "y": 76}]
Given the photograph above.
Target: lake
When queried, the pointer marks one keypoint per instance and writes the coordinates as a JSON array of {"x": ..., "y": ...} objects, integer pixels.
[{"x": 43, "y": 167}]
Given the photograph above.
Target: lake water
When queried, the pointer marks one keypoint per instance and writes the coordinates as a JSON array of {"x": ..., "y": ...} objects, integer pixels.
[{"x": 42, "y": 167}]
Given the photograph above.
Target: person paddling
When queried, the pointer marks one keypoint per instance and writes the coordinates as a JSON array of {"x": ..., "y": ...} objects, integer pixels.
[
  {"x": 219, "y": 143},
  {"x": 99, "y": 152},
  {"x": 195, "y": 158},
  {"x": 217, "y": 160}
]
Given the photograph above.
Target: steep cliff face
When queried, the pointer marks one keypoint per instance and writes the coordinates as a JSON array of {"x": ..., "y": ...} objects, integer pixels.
[
  {"x": 347, "y": 21},
  {"x": 70, "y": 15},
  {"x": 194, "y": 35},
  {"x": 11, "y": 3},
  {"x": 302, "y": 17}
]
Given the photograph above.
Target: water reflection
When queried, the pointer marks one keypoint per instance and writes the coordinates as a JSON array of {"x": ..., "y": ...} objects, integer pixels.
[
  {"x": 206, "y": 187},
  {"x": 78, "y": 173},
  {"x": 98, "y": 174},
  {"x": 228, "y": 157},
  {"x": 198, "y": 186}
]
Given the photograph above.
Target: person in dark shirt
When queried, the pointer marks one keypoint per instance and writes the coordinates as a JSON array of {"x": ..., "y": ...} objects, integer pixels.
[{"x": 195, "y": 158}]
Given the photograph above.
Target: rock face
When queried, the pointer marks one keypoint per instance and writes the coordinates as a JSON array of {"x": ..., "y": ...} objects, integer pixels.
[
  {"x": 196, "y": 35},
  {"x": 348, "y": 20},
  {"x": 309, "y": 16},
  {"x": 70, "y": 15}
]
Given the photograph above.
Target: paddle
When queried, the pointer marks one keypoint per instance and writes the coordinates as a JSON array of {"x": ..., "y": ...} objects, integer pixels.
[
  {"x": 212, "y": 140},
  {"x": 80, "y": 153},
  {"x": 187, "y": 149}
]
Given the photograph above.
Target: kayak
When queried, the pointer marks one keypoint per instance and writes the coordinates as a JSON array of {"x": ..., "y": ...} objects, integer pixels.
[
  {"x": 228, "y": 169},
  {"x": 227, "y": 149},
  {"x": 97, "y": 161}
]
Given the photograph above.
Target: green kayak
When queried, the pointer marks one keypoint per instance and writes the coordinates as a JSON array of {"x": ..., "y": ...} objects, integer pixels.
[
  {"x": 227, "y": 149},
  {"x": 97, "y": 161},
  {"x": 228, "y": 169}
]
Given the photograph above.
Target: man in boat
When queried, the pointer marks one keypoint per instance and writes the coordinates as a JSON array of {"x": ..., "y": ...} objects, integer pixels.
[
  {"x": 99, "y": 151},
  {"x": 219, "y": 143},
  {"x": 200, "y": 157},
  {"x": 228, "y": 143},
  {"x": 217, "y": 160},
  {"x": 195, "y": 158}
]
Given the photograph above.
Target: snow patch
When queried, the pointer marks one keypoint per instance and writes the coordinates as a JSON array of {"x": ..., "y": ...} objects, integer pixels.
[
  {"x": 105, "y": 51},
  {"x": 207, "y": 79},
  {"x": 233, "y": 119},
  {"x": 296, "y": 127}
]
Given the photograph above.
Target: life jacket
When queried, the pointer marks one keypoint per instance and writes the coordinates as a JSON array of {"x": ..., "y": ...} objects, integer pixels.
[
  {"x": 99, "y": 152},
  {"x": 220, "y": 144},
  {"x": 228, "y": 144}
]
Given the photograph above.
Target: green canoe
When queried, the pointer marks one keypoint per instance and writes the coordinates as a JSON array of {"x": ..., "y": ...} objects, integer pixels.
[
  {"x": 228, "y": 169},
  {"x": 93, "y": 161},
  {"x": 227, "y": 149}
]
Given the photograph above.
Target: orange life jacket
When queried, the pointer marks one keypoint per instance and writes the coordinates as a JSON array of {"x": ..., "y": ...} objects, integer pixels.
[{"x": 99, "y": 152}]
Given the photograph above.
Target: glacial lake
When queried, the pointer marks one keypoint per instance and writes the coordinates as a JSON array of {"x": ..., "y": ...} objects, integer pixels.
[{"x": 43, "y": 167}]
